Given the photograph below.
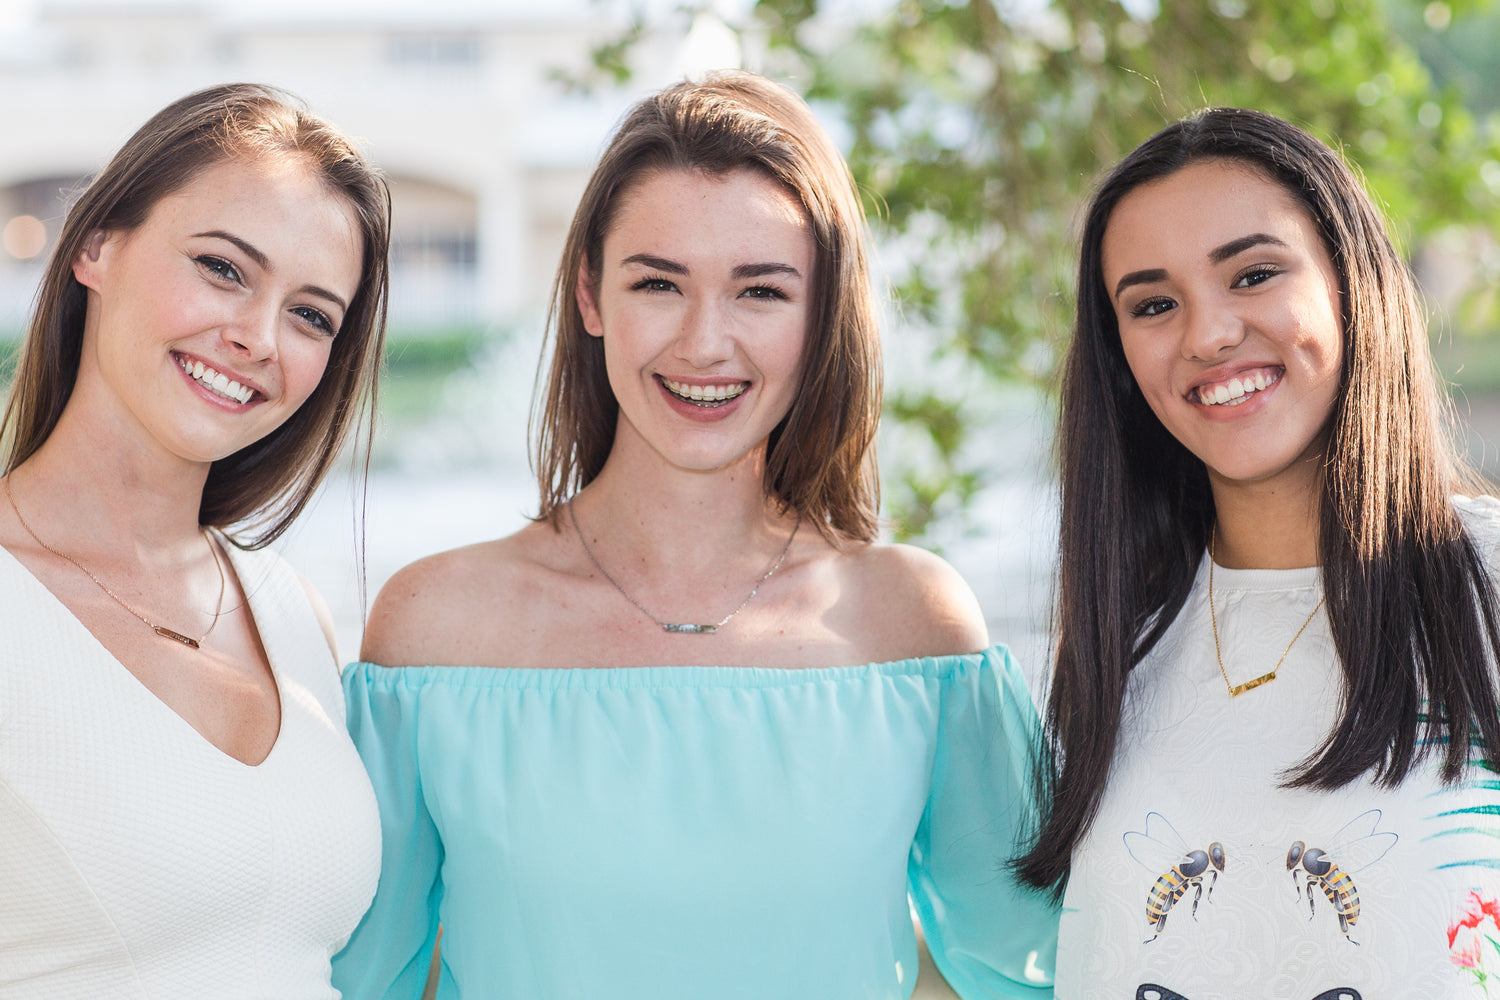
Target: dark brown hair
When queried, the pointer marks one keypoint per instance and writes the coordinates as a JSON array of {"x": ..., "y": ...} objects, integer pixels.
[
  {"x": 269, "y": 482},
  {"x": 820, "y": 459},
  {"x": 1410, "y": 604}
]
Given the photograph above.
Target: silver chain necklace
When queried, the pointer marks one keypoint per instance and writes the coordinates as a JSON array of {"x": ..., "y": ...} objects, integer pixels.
[{"x": 685, "y": 628}]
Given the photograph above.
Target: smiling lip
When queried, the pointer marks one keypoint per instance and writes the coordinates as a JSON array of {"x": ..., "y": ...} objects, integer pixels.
[
  {"x": 709, "y": 395},
  {"x": 1238, "y": 388},
  {"x": 217, "y": 383}
]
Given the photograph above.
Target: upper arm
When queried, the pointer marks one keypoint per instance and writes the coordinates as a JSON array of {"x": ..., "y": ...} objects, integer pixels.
[
  {"x": 449, "y": 609},
  {"x": 917, "y": 604},
  {"x": 413, "y": 612}
]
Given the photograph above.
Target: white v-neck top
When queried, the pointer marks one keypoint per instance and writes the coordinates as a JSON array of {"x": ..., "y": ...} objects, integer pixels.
[{"x": 137, "y": 859}]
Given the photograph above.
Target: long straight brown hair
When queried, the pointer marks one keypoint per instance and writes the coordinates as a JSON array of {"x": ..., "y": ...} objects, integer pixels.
[
  {"x": 820, "y": 459},
  {"x": 264, "y": 486},
  {"x": 1410, "y": 604}
]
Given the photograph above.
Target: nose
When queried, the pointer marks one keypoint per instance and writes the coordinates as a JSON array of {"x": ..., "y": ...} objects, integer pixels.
[
  {"x": 253, "y": 333},
  {"x": 1210, "y": 330},
  {"x": 704, "y": 340}
]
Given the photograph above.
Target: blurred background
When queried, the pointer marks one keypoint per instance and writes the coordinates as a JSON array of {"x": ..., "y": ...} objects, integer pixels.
[{"x": 975, "y": 129}]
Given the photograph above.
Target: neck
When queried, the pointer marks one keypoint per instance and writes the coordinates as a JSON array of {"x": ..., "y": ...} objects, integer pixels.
[
  {"x": 84, "y": 492},
  {"x": 679, "y": 520},
  {"x": 1265, "y": 527}
]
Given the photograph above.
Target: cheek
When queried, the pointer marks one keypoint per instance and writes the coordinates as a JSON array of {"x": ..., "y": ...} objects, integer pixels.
[
  {"x": 1144, "y": 356},
  {"x": 787, "y": 347},
  {"x": 1321, "y": 340},
  {"x": 304, "y": 365}
]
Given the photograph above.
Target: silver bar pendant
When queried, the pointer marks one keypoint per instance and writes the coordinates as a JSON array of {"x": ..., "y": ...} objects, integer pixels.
[{"x": 689, "y": 629}]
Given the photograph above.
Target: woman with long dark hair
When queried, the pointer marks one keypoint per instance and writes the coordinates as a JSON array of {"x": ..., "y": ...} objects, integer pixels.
[
  {"x": 1273, "y": 720},
  {"x": 705, "y": 734},
  {"x": 181, "y": 812}
]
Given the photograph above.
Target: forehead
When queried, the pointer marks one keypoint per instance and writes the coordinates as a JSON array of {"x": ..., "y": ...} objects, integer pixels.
[
  {"x": 267, "y": 185},
  {"x": 1193, "y": 211},
  {"x": 282, "y": 204},
  {"x": 742, "y": 208}
]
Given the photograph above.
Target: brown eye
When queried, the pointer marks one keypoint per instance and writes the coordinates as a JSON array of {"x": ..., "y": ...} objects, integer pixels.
[
  {"x": 653, "y": 285},
  {"x": 1152, "y": 307},
  {"x": 1254, "y": 276},
  {"x": 315, "y": 318},
  {"x": 219, "y": 268}
]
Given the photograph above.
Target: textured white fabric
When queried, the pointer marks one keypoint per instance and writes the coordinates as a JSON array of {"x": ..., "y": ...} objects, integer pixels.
[
  {"x": 136, "y": 859},
  {"x": 1197, "y": 768}
]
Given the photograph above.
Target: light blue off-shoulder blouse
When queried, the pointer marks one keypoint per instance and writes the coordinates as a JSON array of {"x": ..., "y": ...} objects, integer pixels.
[{"x": 640, "y": 833}]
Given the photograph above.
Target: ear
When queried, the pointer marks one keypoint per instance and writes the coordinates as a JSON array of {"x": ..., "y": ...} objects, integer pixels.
[
  {"x": 88, "y": 265},
  {"x": 588, "y": 306}
]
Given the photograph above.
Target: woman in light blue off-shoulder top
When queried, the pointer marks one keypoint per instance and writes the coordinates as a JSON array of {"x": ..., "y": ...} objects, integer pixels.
[{"x": 694, "y": 733}]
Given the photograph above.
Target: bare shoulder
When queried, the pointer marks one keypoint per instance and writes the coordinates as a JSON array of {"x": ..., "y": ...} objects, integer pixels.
[
  {"x": 451, "y": 608},
  {"x": 912, "y": 602}
]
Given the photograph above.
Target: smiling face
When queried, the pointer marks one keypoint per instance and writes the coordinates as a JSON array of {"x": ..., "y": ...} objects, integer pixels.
[
  {"x": 702, "y": 303},
  {"x": 211, "y": 322},
  {"x": 1229, "y": 316}
]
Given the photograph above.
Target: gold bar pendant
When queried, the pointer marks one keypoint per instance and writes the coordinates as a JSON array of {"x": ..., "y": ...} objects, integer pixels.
[
  {"x": 1254, "y": 682},
  {"x": 167, "y": 633}
]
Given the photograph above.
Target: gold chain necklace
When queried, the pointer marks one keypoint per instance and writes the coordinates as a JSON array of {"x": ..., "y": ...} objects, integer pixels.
[
  {"x": 1235, "y": 690},
  {"x": 683, "y": 628},
  {"x": 161, "y": 630}
]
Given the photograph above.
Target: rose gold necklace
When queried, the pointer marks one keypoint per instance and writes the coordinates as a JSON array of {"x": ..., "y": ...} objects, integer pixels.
[
  {"x": 161, "y": 630},
  {"x": 1235, "y": 690}
]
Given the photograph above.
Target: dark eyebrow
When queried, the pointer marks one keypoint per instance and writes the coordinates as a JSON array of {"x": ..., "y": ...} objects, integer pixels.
[
  {"x": 248, "y": 249},
  {"x": 656, "y": 263},
  {"x": 264, "y": 263},
  {"x": 761, "y": 270},
  {"x": 1239, "y": 246},
  {"x": 1140, "y": 278},
  {"x": 1218, "y": 255},
  {"x": 739, "y": 273}
]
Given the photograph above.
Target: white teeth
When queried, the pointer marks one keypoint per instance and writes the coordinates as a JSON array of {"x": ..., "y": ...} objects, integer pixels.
[
  {"x": 1235, "y": 390},
  {"x": 707, "y": 395},
  {"x": 216, "y": 381}
]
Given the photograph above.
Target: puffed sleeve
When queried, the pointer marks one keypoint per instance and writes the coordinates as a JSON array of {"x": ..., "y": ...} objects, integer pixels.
[
  {"x": 989, "y": 936},
  {"x": 390, "y": 952}
]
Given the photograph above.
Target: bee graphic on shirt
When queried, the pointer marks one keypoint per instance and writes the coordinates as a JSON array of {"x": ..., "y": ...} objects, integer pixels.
[
  {"x": 1331, "y": 870},
  {"x": 1161, "y": 850},
  {"x": 1151, "y": 991}
]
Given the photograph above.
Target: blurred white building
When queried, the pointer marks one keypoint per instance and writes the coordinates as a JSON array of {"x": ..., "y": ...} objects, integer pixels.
[{"x": 459, "y": 102}]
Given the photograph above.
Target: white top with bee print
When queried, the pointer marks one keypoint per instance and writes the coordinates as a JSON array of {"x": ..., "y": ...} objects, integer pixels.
[{"x": 1203, "y": 878}]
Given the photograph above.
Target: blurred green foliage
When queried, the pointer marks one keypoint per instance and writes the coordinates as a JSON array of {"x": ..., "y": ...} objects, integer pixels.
[
  {"x": 418, "y": 364},
  {"x": 976, "y": 130}
]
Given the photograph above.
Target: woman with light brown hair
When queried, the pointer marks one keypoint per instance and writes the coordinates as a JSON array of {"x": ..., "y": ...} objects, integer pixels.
[
  {"x": 694, "y": 732},
  {"x": 181, "y": 813}
]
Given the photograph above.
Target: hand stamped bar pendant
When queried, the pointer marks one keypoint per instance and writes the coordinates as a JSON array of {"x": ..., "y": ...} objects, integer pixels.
[
  {"x": 1254, "y": 682},
  {"x": 167, "y": 633},
  {"x": 689, "y": 628}
]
